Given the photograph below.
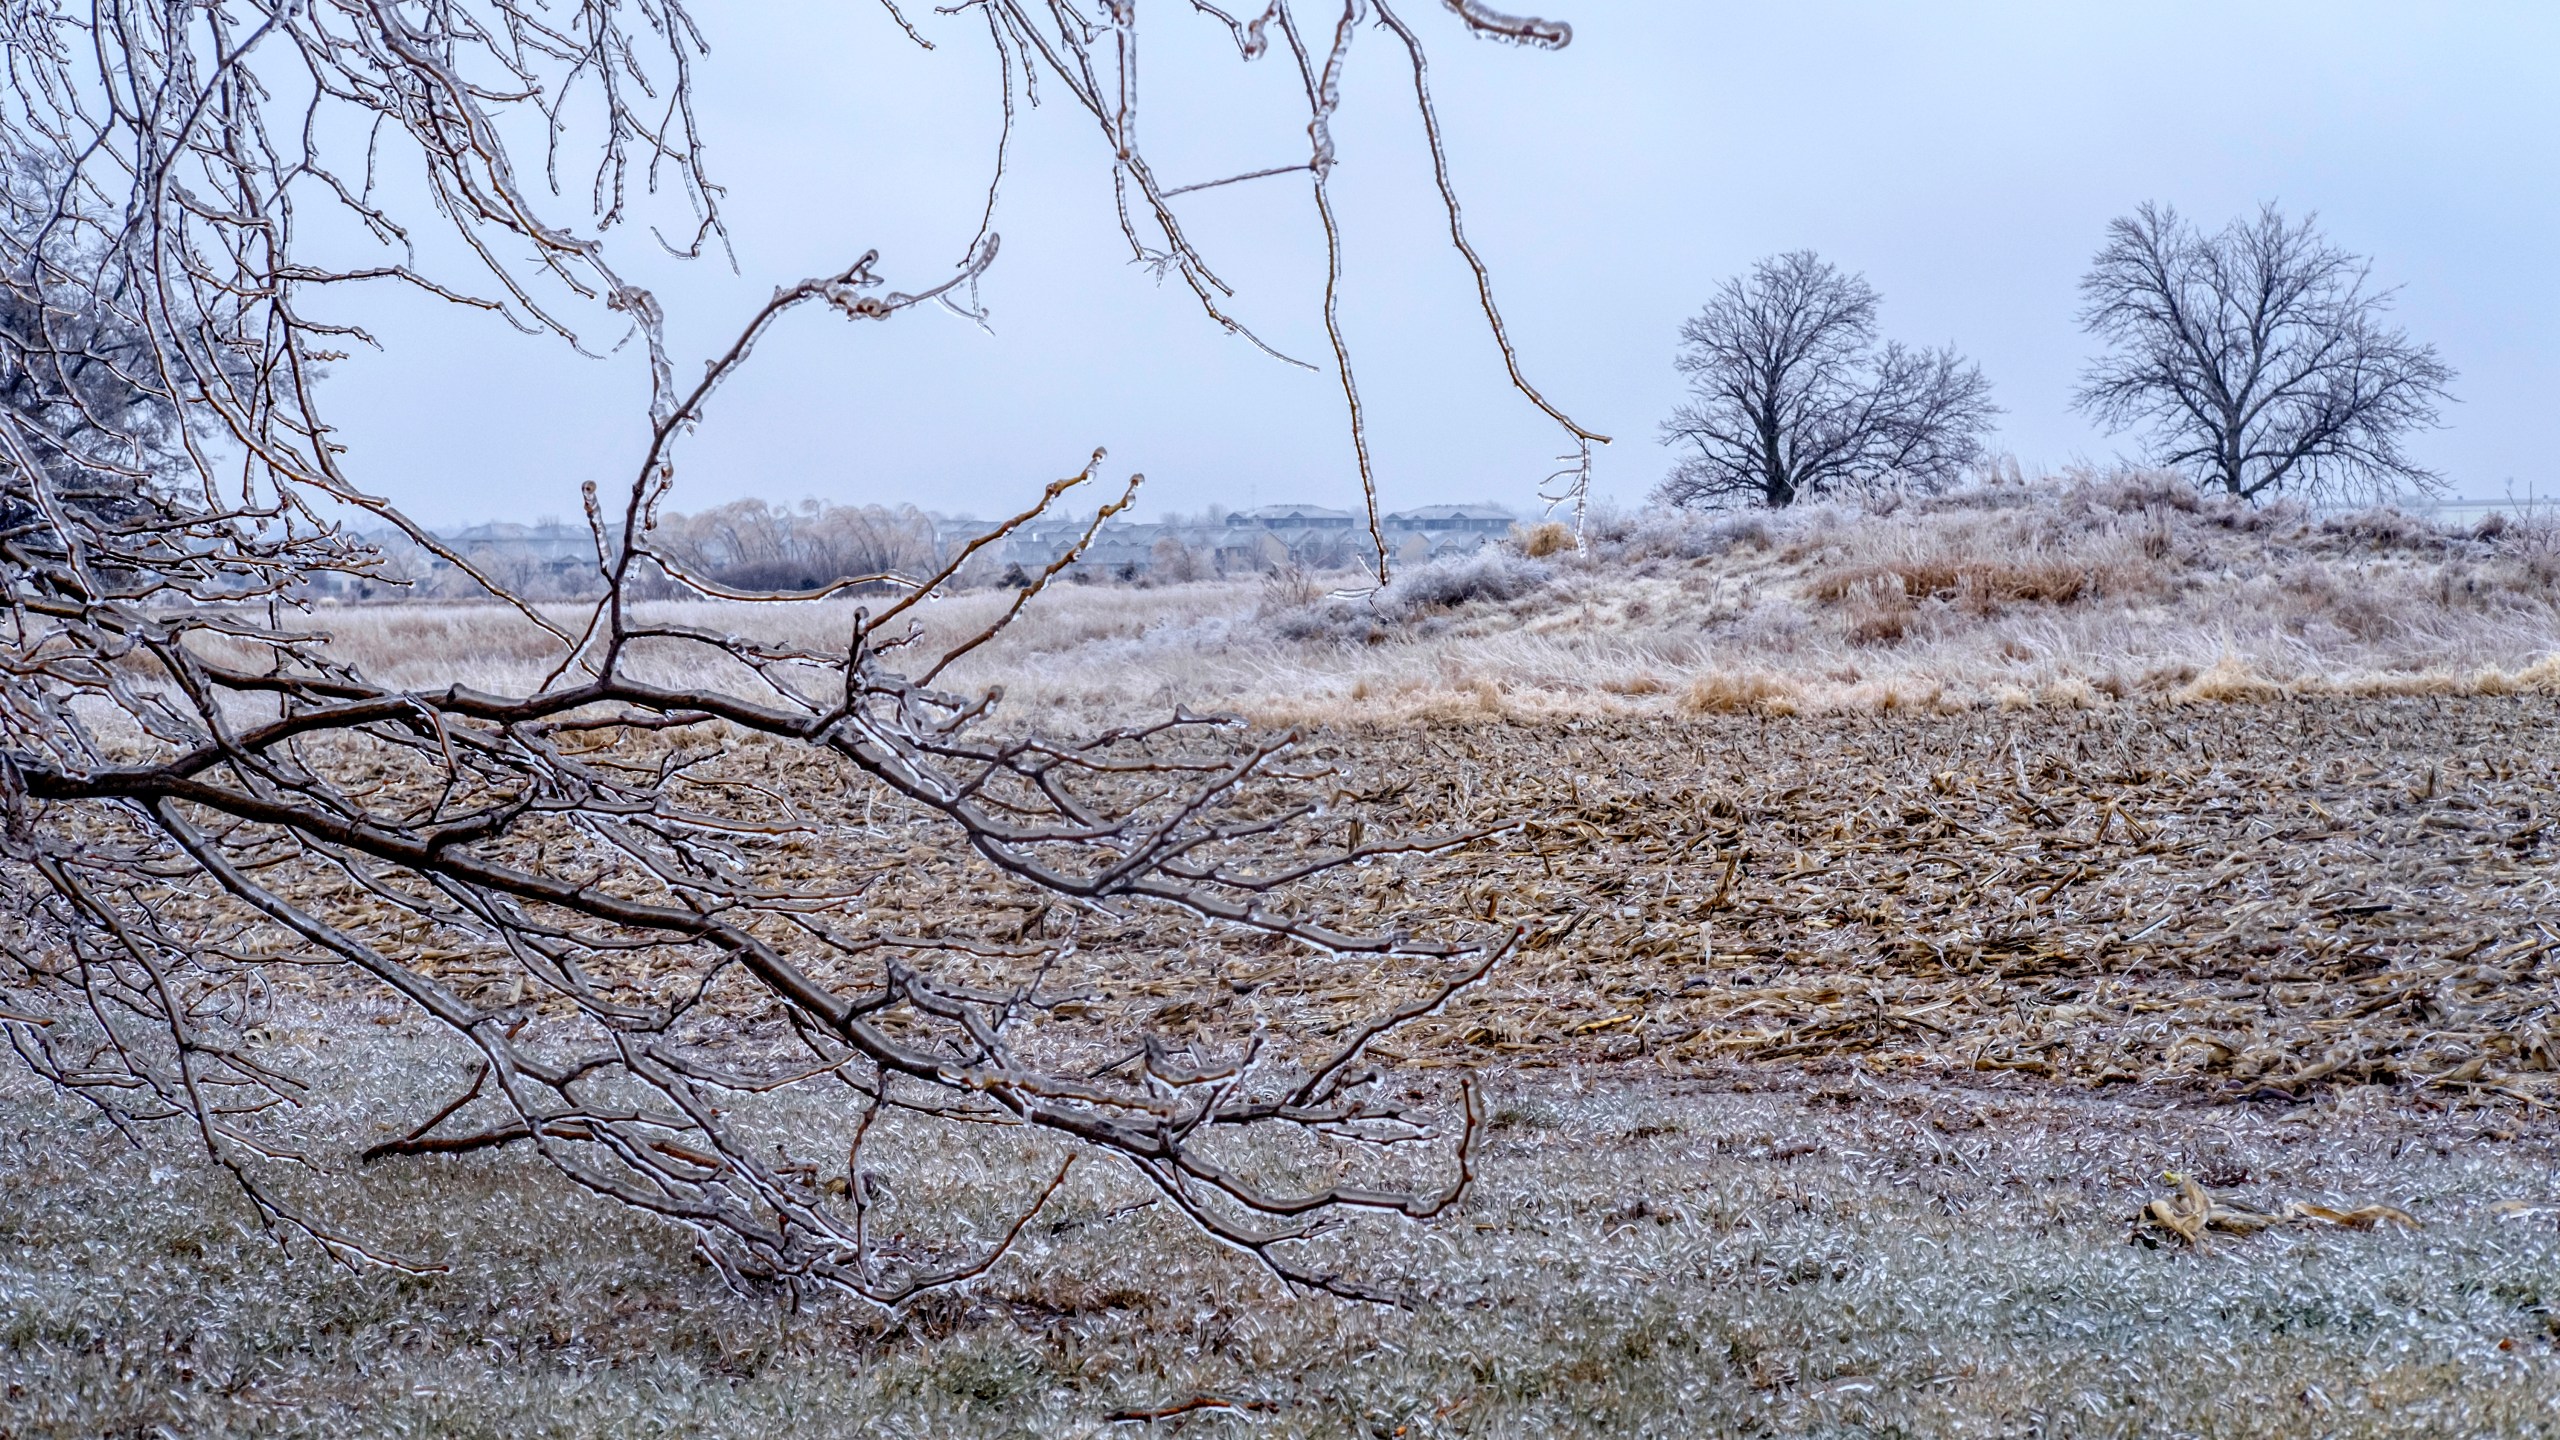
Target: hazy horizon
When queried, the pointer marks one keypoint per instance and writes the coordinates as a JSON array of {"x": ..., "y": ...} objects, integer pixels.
[{"x": 1965, "y": 161}]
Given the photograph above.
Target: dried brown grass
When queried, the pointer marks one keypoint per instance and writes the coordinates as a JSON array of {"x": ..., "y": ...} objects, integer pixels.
[
  {"x": 1728, "y": 694},
  {"x": 2230, "y": 681},
  {"x": 1546, "y": 538},
  {"x": 2094, "y": 590},
  {"x": 2245, "y": 901},
  {"x": 1979, "y": 586}
]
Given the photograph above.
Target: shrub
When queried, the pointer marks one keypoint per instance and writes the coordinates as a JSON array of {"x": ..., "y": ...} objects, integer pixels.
[
  {"x": 1662, "y": 533},
  {"x": 1723, "y": 694},
  {"x": 1546, "y": 538},
  {"x": 2385, "y": 527},
  {"x": 1294, "y": 611},
  {"x": 1488, "y": 573}
]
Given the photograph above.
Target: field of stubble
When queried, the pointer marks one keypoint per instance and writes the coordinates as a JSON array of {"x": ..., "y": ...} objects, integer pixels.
[
  {"x": 2247, "y": 903},
  {"x": 1839, "y": 1061}
]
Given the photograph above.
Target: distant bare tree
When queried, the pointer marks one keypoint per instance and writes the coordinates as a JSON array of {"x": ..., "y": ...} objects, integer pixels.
[
  {"x": 1792, "y": 396},
  {"x": 1175, "y": 561},
  {"x": 2256, "y": 357},
  {"x": 676, "y": 981},
  {"x": 750, "y": 545}
]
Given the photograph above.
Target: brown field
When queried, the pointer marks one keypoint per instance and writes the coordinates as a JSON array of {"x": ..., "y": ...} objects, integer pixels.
[
  {"x": 1841, "y": 1057},
  {"x": 2235, "y": 901},
  {"x": 1853, "y": 1026},
  {"x": 2255, "y": 902}
]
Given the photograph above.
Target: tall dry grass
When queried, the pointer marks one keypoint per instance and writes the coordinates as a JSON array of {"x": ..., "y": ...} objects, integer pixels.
[{"x": 2082, "y": 590}]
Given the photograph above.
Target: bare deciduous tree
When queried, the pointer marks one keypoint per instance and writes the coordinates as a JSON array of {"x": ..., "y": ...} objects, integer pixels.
[
  {"x": 1792, "y": 396},
  {"x": 751, "y": 545},
  {"x": 644, "y": 910},
  {"x": 2256, "y": 357}
]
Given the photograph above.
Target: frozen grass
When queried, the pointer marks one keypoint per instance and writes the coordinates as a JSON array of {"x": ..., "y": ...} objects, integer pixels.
[
  {"x": 2073, "y": 592},
  {"x": 1071, "y": 635},
  {"x": 1834, "y": 1252},
  {"x": 1851, "y": 1256}
]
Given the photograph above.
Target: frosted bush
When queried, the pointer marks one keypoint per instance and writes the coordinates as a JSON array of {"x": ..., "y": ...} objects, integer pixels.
[
  {"x": 1413, "y": 597},
  {"x": 1489, "y": 573}
]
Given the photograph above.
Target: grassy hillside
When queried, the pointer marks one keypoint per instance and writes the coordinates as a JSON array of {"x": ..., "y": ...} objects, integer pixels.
[{"x": 2072, "y": 592}]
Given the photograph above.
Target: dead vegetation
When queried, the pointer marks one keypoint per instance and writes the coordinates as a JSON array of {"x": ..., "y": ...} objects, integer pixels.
[
  {"x": 2194, "y": 1210},
  {"x": 2255, "y": 904},
  {"x": 2088, "y": 590},
  {"x": 1867, "y": 1256},
  {"x": 1844, "y": 1050},
  {"x": 2250, "y": 904}
]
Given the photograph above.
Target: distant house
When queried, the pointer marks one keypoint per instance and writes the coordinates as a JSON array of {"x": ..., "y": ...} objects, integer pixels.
[
  {"x": 1246, "y": 542},
  {"x": 1248, "y": 551},
  {"x": 1124, "y": 552},
  {"x": 549, "y": 560},
  {"x": 1315, "y": 536},
  {"x": 1435, "y": 530},
  {"x": 1292, "y": 517},
  {"x": 1455, "y": 519},
  {"x": 952, "y": 533},
  {"x": 545, "y": 544}
]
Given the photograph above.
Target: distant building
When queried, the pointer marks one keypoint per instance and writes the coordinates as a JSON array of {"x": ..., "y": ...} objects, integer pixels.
[
  {"x": 1292, "y": 517},
  {"x": 952, "y": 533},
  {"x": 1461, "y": 519},
  {"x": 1246, "y": 542},
  {"x": 1124, "y": 552},
  {"x": 1435, "y": 530},
  {"x": 547, "y": 543},
  {"x": 549, "y": 560},
  {"x": 1248, "y": 552}
]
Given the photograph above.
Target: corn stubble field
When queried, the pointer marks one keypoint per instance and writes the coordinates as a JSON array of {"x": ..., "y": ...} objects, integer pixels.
[{"x": 1903, "y": 899}]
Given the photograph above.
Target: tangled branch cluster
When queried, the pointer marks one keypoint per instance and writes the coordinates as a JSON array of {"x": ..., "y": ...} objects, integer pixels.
[{"x": 200, "y": 803}]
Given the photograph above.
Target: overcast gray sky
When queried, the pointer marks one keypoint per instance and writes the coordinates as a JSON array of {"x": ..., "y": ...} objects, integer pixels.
[{"x": 1964, "y": 156}]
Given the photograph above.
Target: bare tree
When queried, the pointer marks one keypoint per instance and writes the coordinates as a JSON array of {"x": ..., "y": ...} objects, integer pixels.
[
  {"x": 2256, "y": 357},
  {"x": 600, "y": 888},
  {"x": 1792, "y": 396},
  {"x": 1174, "y": 561},
  {"x": 751, "y": 545}
]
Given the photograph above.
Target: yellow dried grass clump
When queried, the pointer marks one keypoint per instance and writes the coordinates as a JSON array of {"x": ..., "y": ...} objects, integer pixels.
[
  {"x": 1729, "y": 694},
  {"x": 2072, "y": 693},
  {"x": 1643, "y": 682},
  {"x": 2230, "y": 681},
  {"x": 2542, "y": 677},
  {"x": 1985, "y": 584},
  {"x": 1548, "y": 538},
  {"x": 2068, "y": 693},
  {"x": 2194, "y": 1210}
]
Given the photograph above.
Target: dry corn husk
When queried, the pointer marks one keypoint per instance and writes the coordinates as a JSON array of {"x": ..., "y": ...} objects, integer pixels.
[{"x": 2193, "y": 1210}]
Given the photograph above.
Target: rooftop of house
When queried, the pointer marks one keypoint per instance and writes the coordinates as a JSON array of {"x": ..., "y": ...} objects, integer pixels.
[
  {"x": 550, "y": 531},
  {"x": 1436, "y": 516},
  {"x": 1290, "y": 515}
]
